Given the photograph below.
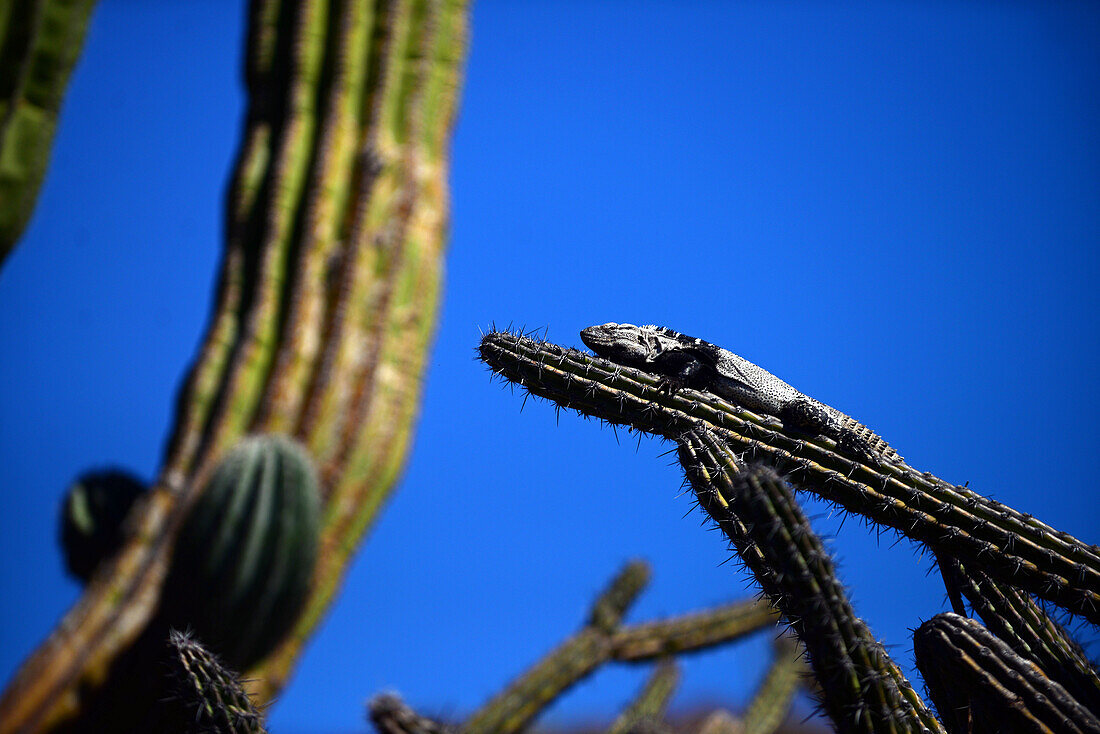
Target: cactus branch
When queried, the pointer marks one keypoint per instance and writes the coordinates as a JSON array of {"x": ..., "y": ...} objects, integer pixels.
[
  {"x": 647, "y": 711},
  {"x": 772, "y": 700},
  {"x": 40, "y": 41},
  {"x": 1010, "y": 546},
  {"x": 1023, "y": 625},
  {"x": 980, "y": 685},
  {"x": 863, "y": 690},
  {"x": 597, "y": 642}
]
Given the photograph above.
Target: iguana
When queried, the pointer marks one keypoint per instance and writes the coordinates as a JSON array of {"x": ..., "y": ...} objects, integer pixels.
[{"x": 684, "y": 361}]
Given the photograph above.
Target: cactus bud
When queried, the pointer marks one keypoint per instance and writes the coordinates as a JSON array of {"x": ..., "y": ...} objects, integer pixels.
[{"x": 92, "y": 515}]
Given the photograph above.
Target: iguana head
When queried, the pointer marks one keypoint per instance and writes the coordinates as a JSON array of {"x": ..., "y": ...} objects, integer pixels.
[{"x": 628, "y": 344}]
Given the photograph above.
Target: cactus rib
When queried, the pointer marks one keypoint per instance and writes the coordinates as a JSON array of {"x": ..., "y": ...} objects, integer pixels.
[{"x": 1008, "y": 545}]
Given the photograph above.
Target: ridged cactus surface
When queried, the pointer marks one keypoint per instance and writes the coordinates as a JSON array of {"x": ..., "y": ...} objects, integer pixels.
[
  {"x": 326, "y": 303},
  {"x": 246, "y": 554},
  {"x": 40, "y": 41}
]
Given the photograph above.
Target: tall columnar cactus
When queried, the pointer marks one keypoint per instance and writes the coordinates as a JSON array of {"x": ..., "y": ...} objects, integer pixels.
[
  {"x": 326, "y": 303},
  {"x": 40, "y": 41}
]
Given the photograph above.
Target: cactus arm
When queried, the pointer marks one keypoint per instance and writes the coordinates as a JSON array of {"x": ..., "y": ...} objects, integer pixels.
[
  {"x": 1008, "y": 545},
  {"x": 647, "y": 711},
  {"x": 978, "y": 681},
  {"x": 40, "y": 41},
  {"x": 211, "y": 694},
  {"x": 772, "y": 700},
  {"x": 863, "y": 690},
  {"x": 1023, "y": 625},
  {"x": 602, "y": 639}
]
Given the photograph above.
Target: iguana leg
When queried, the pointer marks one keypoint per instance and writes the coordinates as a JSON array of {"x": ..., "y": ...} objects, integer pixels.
[{"x": 810, "y": 416}]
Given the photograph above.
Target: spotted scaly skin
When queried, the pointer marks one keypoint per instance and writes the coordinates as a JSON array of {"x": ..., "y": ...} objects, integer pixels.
[{"x": 686, "y": 361}]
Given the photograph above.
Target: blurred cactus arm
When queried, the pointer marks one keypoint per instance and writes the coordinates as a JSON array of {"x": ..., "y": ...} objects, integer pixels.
[
  {"x": 326, "y": 302},
  {"x": 40, "y": 41}
]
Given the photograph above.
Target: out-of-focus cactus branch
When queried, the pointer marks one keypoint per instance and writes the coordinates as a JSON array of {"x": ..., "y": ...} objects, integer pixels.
[
  {"x": 40, "y": 41},
  {"x": 603, "y": 639},
  {"x": 325, "y": 307}
]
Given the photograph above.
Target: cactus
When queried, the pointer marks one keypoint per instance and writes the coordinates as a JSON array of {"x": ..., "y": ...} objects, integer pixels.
[
  {"x": 212, "y": 696},
  {"x": 92, "y": 516},
  {"x": 246, "y": 554},
  {"x": 1009, "y": 545},
  {"x": 1026, "y": 628},
  {"x": 991, "y": 553},
  {"x": 773, "y": 698},
  {"x": 862, "y": 689},
  {"x": 40, "y": 41},
  {"x": 603, "y": 638},
  {"x": 980, "y": 685},
  {"x": 646, "y": 713},
  {"x": 326, "y": 303}
]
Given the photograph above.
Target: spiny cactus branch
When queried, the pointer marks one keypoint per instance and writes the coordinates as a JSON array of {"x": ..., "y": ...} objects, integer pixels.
[
  {"x": 213, "y": 694},
  {"x": 1010, "y": 546},
  {"x": 596, "y": 643},
  {"x": 863, "y": 690},
  {"x": 980, "y": 685},
  {"x": 1025, "y": 627}
]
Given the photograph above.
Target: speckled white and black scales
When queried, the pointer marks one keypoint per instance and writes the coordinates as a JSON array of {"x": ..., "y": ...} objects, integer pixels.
[{"x": 685, "y": 361}]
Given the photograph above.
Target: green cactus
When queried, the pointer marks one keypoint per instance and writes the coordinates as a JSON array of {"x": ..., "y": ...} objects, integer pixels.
[
  {"x": 92, "y": 516},
  {"x": 246, "y": 554},
  {"x": 646, "y": 713},
  {"x": 604, "y": 638},
  {"x": 40, "y": 41},
  {"x": 772, "y": 700},
  {"x": 980, "y": 686},
  {"x": 326, "y": 303}
]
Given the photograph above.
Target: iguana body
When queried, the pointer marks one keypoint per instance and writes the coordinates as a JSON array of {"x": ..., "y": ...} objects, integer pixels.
[{"x": 685, "y": 361}]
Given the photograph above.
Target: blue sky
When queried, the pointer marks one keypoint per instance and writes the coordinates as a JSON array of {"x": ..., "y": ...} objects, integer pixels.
[{"x": 892, "y": 206}]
